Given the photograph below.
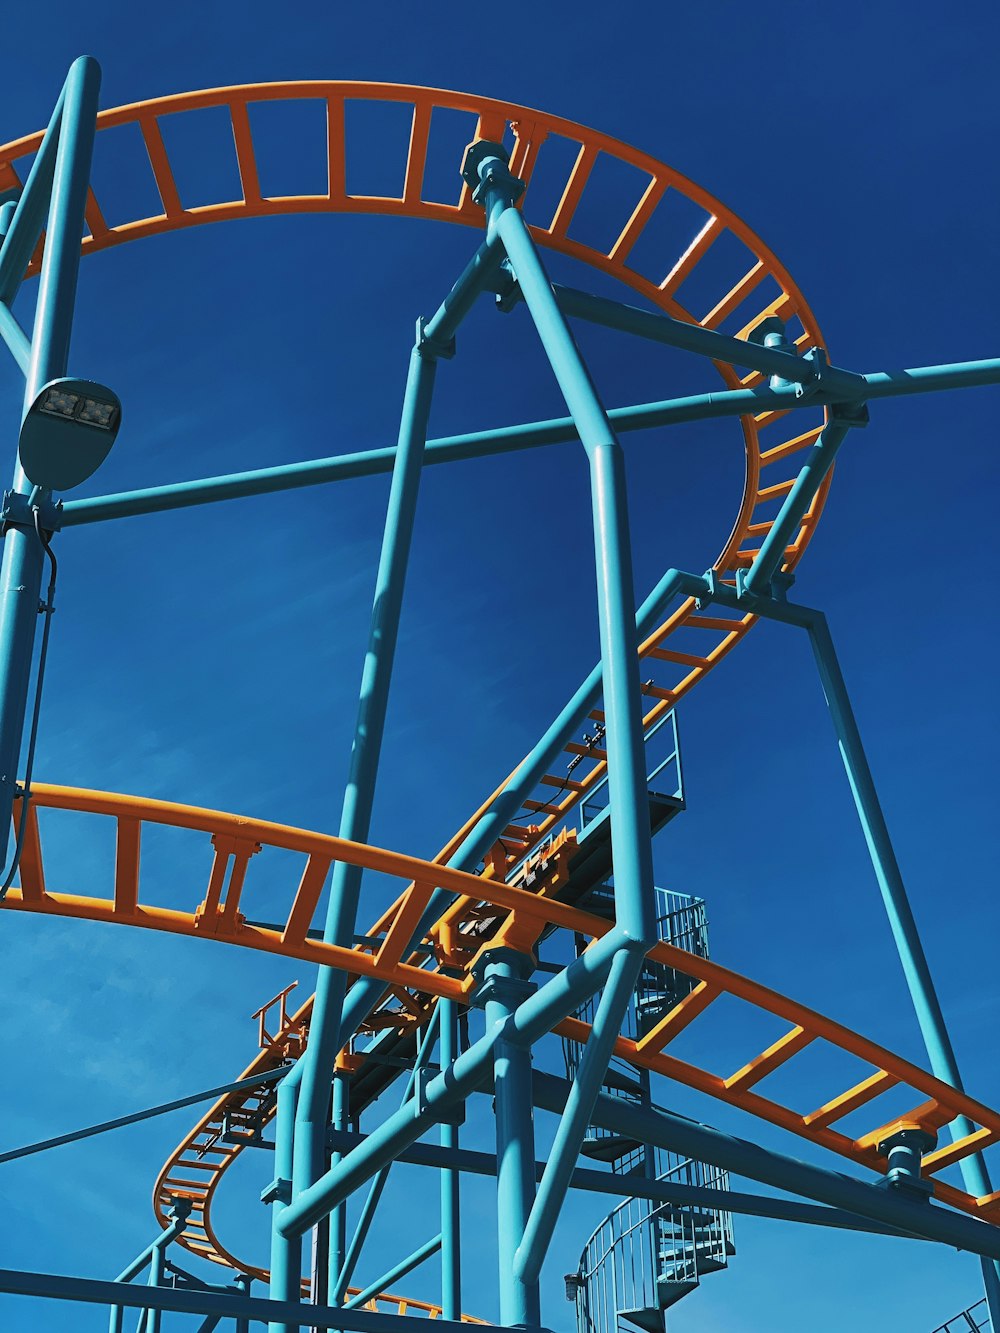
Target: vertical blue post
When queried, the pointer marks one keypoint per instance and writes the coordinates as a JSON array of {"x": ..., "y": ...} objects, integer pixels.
[
  {"x": 23, "y": 557},
  {"x": 337, "y": 1238},
  {"x": 940, "y": 1052},
  {"x": 451, "y": 1253},
  {"x": 324, "y": 1032},
  {"x": 632, "y": 856},
  {"x": 153, "y": 1318},
  {"x": 286, "y": 1252},
  {"x": 243, "y": 1281},
  {"x": 503, "y": 989}
]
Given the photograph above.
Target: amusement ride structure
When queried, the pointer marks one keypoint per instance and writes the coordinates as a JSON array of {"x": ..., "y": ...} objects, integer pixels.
[{"x": 539, "y": 915}]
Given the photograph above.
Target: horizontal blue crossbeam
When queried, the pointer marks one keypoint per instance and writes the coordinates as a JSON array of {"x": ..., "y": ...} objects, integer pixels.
[
  {"x": 182, "y": 1300},
  {"x": 254, "y": 1081},
  {"x": 508, "y": 439}
]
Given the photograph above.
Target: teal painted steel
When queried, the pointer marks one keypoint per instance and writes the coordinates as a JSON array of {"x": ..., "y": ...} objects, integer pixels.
[
  {"x": 814, "y": 471},
  {"x": 67, "y": 157},
  {"x": 399, "y": 1270},
  {"x": 705, "y": 1144},
  {"x": 504, "y": 986},
  {"x": 451, "y": 1181},
  {"x": 184, "y": 1300},
  {"x": 254, "y": 1081},
  {"x": 286, "y": 1251},
  {"x": 325, "y": 1025}
]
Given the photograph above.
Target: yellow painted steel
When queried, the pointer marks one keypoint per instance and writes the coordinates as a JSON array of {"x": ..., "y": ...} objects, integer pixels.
[{"x": 214, "y": 912}]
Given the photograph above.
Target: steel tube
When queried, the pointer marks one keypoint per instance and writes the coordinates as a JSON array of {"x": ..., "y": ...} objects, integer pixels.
[
  {"x": 575, "y": 1118},
  {"x": 28, "y": 220},
  {"x": 450, "y": 1183},
  {"x": 811, "y": 476},
  {"x": 704, "y": 1144},
  {"x": 399, "y": 1270},
  {"x": 184, "y": 1300},
  {"x": 515, "y": 1138},
  {"x": 705, "y": 342},
  {"x": 254, "y": 1081},
  {"x": 286, "y": 1250},
  {"x": 531, "y": 435},
  {"x": 355, "y": 819},
  {"x": 23, "y": 556},
  {"x": 645, "y": 1187}
]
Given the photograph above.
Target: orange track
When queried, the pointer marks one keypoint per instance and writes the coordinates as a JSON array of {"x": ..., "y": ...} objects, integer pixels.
[
  {"x": 519, "y": 916},
  {"x": 758, "y": 286}
]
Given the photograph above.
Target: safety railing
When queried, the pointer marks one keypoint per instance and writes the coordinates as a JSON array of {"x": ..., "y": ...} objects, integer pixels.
[
  {"x": 665, "y": 777},
  {"x": 976, "y": 1319},
  {"x": 645, "y": 1256}
]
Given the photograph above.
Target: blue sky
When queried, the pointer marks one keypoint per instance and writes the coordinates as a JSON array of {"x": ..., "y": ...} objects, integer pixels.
[{"x": 212, "y": 656}]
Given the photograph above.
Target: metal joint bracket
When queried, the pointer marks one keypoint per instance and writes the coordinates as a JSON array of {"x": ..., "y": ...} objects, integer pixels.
[
  {"x": 507, "y": 288},
  {"x": 179, "y": 1209},
  {"x": 904, "y": 1149},
  {"x": 480, "y": 177},
  {"x": 438, "y": 348},
  {"x": 850, "y": 414},
  {"x": 279, "y": 1191},
  {"x": 781, "y": 581},
  {"x": 18, "y": 512},
  {"x": 509, "y": 991}
]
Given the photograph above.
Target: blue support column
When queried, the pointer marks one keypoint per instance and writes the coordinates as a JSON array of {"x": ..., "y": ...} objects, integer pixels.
[
  {"x": 909, "y": 947},
  {"x": 324, "y": 1034},
  {"x": 23, "y": 556},
  {"x": 286, "y": 1251},
  {"x": 504, "y": 987},
  {"x": 576, "y": 1116},
  {"x": 336, "y": 1240},
  {"x": 920, "y": 983},
  {"x": 435, "y": 338},
  {"x": 451, "y": 1244}
]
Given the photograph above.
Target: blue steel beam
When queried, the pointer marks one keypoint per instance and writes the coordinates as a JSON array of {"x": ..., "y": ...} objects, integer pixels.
[
  {"x": 183, "y": 1300},
  {"x": 23, "y": 554},
  {"x": 286, "y": 1251},
  {"x": 152, "y": 1255},
  {"x": 530, "y": 435},
  {"x": 254, "y": 1081},
  {"x": 451, "y": 1232},
  {"x": 663, "y": 1129},
  {"x": 532, "y": 1019},
  {"x": 28, "y": 218},
  {"x": 909, "y": 946},
  {"x": 435, "y": 338},
  {"x": 662, "y": 328},
  {"x": 632, "y": 855},
  {"x": 331, "y": 985},
  {"x": 645, "y": 1187},
  {"x": 366, "y": 992},
  {"x": 341, "y": 1281},
  {"x": 812, "y": 474},
  {"x": 399, "y": 1270},
  {"x": 504, "y": 985}
]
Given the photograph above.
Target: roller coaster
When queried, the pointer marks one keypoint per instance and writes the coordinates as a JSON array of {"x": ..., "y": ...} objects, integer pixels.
[{"x": 540, "y": 915}]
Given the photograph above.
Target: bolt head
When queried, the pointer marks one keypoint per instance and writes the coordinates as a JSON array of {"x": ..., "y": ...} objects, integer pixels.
[{"x": 476, "y": 154}]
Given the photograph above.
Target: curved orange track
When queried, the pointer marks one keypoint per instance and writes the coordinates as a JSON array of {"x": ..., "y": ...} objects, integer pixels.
[{"x": 756, "y": 286}]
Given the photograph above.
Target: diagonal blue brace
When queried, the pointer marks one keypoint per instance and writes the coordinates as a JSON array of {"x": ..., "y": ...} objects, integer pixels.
[
  {"x": 58, "y": 183},
  {"x": 486, "y": 168}
]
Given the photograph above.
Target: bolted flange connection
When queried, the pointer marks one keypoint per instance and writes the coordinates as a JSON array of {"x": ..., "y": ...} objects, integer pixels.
[
  {"x": 904, "y": 1148},
  {"x": 485, "y": 166}
]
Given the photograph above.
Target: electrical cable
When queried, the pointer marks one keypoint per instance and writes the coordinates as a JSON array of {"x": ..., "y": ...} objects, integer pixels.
[{"x": 47, "y": 609}]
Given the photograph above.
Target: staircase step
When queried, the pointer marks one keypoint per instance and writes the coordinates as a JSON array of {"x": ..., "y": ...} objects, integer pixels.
[
  {"x": 609, "y": 1148},
  {"x": 670, "y": 1292},
  {"x": 651, "y": 1321}
]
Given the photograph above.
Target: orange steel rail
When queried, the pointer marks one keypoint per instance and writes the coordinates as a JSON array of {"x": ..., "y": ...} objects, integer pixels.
[
  {"x": 756, "y": 286},
  {"x": 675, "y": 657},
  {"x": 200, "y": 1161}
]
